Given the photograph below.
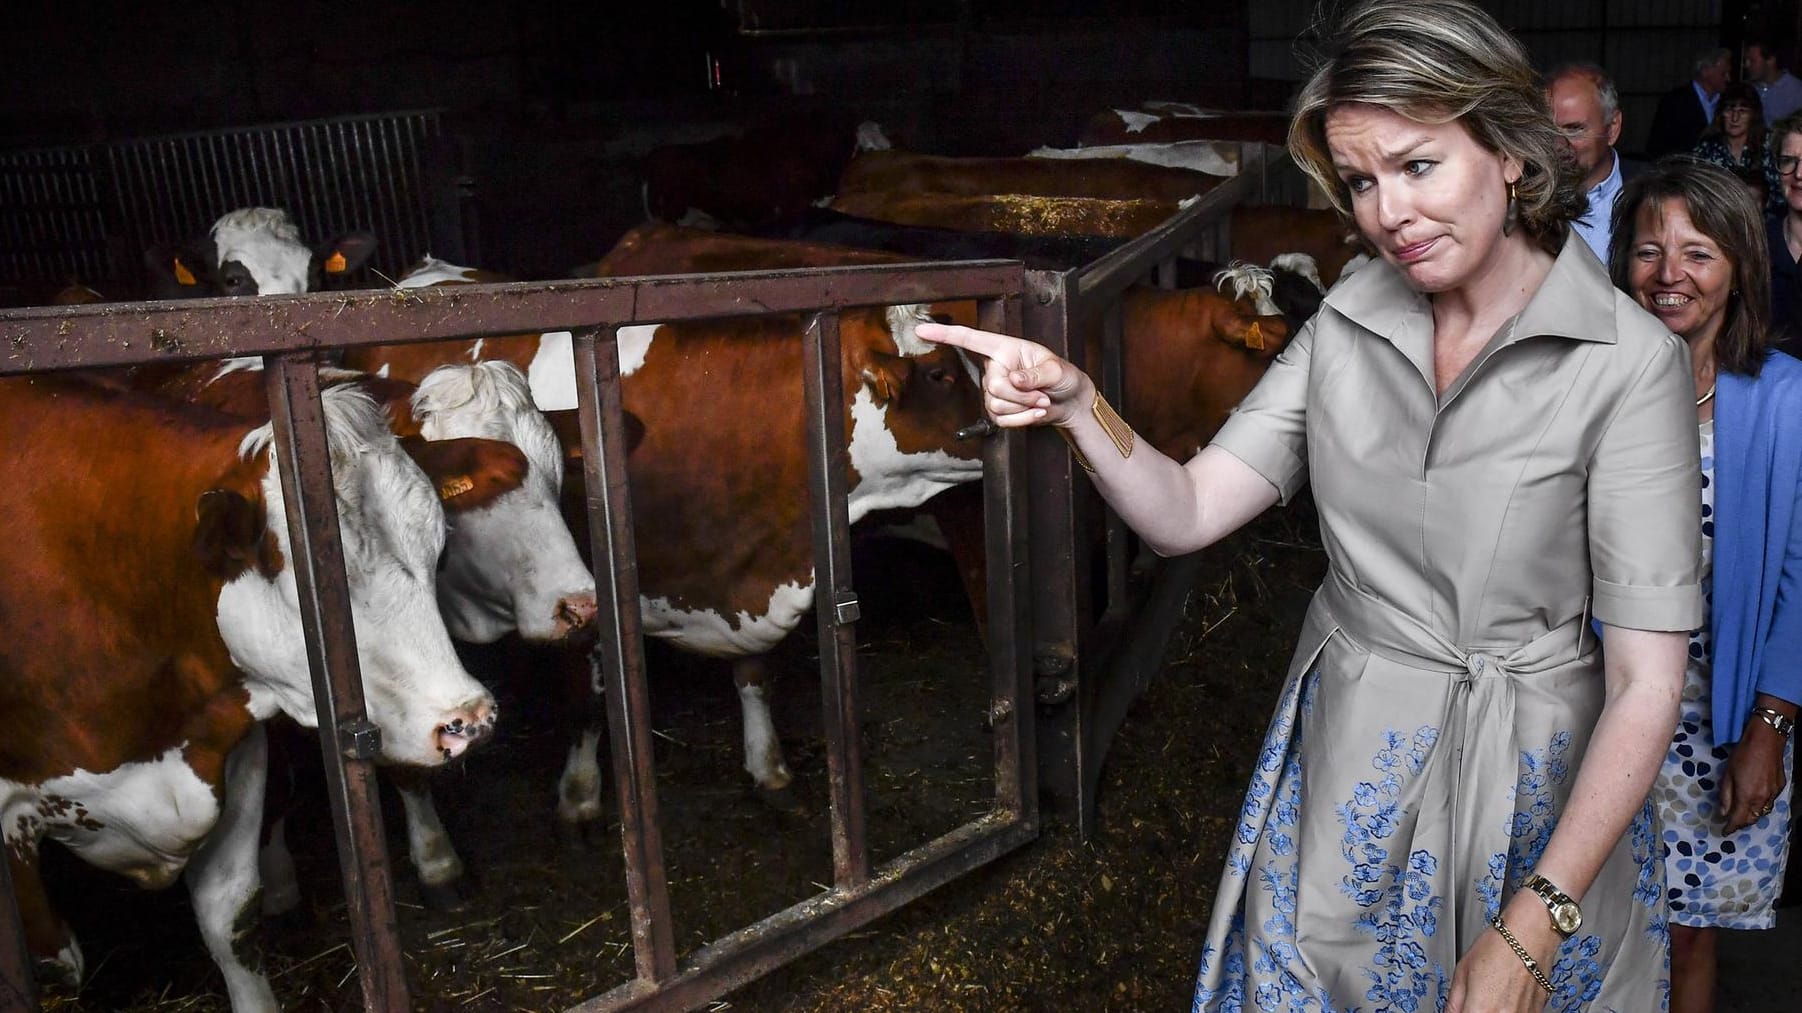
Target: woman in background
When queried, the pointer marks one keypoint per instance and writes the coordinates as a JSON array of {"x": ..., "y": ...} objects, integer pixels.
[{"x": 1689, "y": 246}]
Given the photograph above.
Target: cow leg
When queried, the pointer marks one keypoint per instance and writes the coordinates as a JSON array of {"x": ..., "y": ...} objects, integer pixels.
[
  {"x": 579, "y": 786},
  {"x": 47, "y": 937},
  {"x": 435, "y": 859},
  {"x": 958, "y": 511},
  {"x": 763, "y": 752},
  {"x": 223, "y": 882},
  {"x": 275, "y": 867}
]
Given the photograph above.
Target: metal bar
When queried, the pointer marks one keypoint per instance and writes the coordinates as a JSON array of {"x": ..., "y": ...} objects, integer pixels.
[
  {"x": 64, "y": 337},
  {"x": 755, "y": 950},
  {"x": 835, "y": 600},
  {"x": 18, "y": 986},
  {"x": 1113, "y": 387},
  {"x": 302, "y": 455},
  {"x": 1011, "y": 714},
  {"x": 620, "y": 648}
]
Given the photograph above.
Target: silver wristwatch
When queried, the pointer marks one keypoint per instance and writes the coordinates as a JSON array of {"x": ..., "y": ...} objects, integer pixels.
[{"x": 1567, "y": 917}]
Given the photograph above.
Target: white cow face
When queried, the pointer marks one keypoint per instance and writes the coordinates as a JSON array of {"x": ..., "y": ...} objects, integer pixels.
[
  {"x": 253, "y": 251},
  {"x": 512, "y": 563},
  {"x": 427, "y": 706}
]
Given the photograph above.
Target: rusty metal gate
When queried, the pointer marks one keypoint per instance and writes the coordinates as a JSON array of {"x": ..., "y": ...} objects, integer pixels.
[
  {"x": 89, "y": 212},
  {"x": 292, "y": 332}
]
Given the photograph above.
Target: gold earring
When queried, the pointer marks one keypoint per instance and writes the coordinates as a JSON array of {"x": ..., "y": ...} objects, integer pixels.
[{"x": 1513, "y": 213}]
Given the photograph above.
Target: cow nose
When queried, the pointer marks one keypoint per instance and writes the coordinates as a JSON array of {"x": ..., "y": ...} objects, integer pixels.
[
  {"x": 574, "y": 612},
  {"x": 465, "y": 726}
]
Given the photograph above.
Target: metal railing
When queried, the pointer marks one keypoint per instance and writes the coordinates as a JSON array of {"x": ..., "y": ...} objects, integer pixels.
[{"x": 291, "y": 332}]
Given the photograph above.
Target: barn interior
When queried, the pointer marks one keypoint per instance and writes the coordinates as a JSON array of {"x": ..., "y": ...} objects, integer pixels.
[{"x": 533, "y": 124}]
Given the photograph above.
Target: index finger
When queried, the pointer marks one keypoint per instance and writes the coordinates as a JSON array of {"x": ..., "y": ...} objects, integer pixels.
[{"x": 968, "y": 338}]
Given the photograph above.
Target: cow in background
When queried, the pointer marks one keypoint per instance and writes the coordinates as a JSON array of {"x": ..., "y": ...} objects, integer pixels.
[
  {"x": 252, "y": 251},
  {"x": 897, "y": 173},
  {"x": 150, "y": 621}
]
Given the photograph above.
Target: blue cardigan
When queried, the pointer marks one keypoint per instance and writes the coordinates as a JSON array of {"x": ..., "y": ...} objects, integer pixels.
[{"x": 1757, "y": 611}]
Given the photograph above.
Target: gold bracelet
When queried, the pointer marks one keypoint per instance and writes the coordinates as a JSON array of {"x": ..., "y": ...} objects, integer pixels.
[
  {"x": 1111, "y": 423},
  {"x": 1520, "y": 951}
]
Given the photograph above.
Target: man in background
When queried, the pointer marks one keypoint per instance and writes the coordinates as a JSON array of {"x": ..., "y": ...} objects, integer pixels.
[
  {"x": 1586, "y": 108},
  {"x": 1766, "y": 65},
  {"x": 1685, "y": 111}
]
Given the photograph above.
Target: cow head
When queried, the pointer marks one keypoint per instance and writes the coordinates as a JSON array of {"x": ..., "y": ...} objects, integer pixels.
[
  {"x": 511, "y": 562},
  {"x": 252, "y": 251},
  {"x": 427, "y": 706},
  {"x": 908, "y": 400}
]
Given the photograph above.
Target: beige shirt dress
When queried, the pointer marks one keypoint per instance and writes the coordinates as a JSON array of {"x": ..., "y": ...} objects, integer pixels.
[{"x": 1447, "y": 680}]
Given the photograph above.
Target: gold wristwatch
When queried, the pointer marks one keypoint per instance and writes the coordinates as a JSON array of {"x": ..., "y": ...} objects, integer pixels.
[{"x": 1567, "y": 917}]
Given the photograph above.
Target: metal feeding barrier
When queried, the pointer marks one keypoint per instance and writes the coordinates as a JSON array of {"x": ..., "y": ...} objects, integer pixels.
[
  {"x": 88, "y": 212},
  {"x": 292, "y": 332}
]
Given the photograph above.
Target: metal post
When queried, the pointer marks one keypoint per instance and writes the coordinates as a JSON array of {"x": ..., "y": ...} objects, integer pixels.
[
  {"x": 349, "y": 742},
  {"x": 835, "y": 601},
  {"x": 1112, "y": 381},
  {"x": 620, "y": 648}
]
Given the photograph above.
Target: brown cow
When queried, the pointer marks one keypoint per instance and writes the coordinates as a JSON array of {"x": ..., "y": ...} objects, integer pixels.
[
  {"x": 149, "y": 622},
  {"x": 725, "y": 550},
  {"x": 774, "y": 170},
  {"x": 1167, "y": 126},
  {"x": 1018, "y": 214},
  {"x": 905, "y": 172},
  {"x": 1260, "y": 233}
]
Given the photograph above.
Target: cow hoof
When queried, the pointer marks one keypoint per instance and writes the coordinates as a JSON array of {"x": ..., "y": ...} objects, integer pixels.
[
  {"x": 581, "y": 837},
  {"x": 785, "y": 800},
  {"x": 447, "y": 897}
]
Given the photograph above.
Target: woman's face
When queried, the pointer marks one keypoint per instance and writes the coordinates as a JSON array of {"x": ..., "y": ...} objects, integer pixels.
[
  {"x": 1427, "y": 196},
  {"x": 1676, "y": 272},
  {"x": 1789, "y": 171},
  {"x": 1736, "y": 121}
]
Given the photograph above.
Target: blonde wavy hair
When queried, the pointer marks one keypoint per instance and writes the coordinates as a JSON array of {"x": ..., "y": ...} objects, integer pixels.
[{"x": 1442, "y": 61}]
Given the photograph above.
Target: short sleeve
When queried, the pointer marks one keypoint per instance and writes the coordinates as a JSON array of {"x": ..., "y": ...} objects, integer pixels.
[
  {"x": 1268, "y": 430},
  {"x": 1645, "y": 483}
]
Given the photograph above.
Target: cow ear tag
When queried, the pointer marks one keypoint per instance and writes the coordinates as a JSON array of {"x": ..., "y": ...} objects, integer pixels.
[
  {"x": 1254, "y": 337},
  {"x": 335, "y": 264},
  {"x": 454, "y": 486},
  {"x": 183, "y": 275}
]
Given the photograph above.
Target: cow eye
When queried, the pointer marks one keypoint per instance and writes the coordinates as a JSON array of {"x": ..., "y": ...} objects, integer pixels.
[{"x": 939, "y": 374}]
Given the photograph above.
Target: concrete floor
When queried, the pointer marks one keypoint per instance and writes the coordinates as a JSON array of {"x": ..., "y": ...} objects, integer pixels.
[{"x": 1761, "y": 972}]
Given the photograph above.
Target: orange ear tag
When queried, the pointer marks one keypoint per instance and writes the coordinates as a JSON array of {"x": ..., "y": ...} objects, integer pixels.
[
  {"x": 455, "y": 486},
  {"x": 182, "y": 274},
  {"x": 335, "y": 264},
  {"x": 1254, "y": 337}
]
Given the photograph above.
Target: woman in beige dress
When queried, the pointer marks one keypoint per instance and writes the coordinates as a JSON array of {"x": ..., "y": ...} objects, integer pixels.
[{"x": 1450, "y": 811}]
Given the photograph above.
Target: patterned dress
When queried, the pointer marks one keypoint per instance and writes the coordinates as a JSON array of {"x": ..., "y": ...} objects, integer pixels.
[
  {"x": 1446, "y": 682},
  {"x": 1757, "y": 160},
  {"x": 1731, "y": 881}
]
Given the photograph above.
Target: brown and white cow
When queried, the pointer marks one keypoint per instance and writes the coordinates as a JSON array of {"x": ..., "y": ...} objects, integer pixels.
[
  {"x": 1020, "y": 214},
  {"x": 724, "y": 545},
  {"x": 1261, "y": 233},
  {"x": 906, "y": 172},
  {"x": 149, "y": 621},
  {"x": 510, "y": 563},
  {"x": 252, "y": 251}
]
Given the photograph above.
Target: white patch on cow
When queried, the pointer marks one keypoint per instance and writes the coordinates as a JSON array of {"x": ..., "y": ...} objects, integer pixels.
[
  {"x": 824, "y": 202},
  {"x": 763, "y": 751},
  {"x": 237, "y": 364},
  {"x": 1215, "y": 158},
  {"x": 1298, "y": 263},
  {"x": 428, "y": 843},
  {"x": 552, "y": 371},
  {"x": 579, "y": 787},
  {"x": 432, "y": 271},
  {"x": 1136, "y": 122},
  {"x": 392, "y": 533},
  {"x": 695, "y": 218},
  {"x": 511, "y": 564},
  {"x": 871, "y": 138},
  {"x": 267, "y": 242},
  {"x": 705, "y": 631},
  {"x": 142, "y": 819},
  {"x": 903, "y": 325},
  {"x": 222, "y": 879},
  {"x": 1248, "y": 281},
  {"x": 888, "y": 479},
  {"x": 475, "y": 350}
]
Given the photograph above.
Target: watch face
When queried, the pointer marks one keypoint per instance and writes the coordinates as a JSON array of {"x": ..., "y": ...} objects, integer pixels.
[{"x": 1566, "y": 918}]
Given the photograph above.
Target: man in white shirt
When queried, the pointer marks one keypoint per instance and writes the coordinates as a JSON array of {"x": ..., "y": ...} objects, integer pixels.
[
  {"x": 1586, "y": 108},
  {"x": 1765, "y": 65}
]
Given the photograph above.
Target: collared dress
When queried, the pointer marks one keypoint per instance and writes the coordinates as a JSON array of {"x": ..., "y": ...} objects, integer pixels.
[{"x": 1446, "y": 684}]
